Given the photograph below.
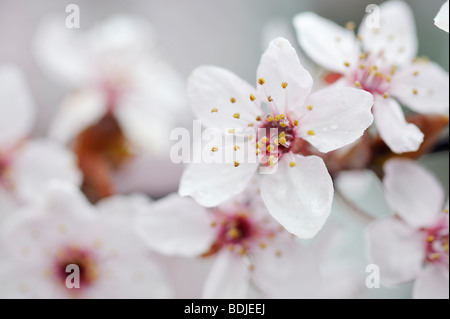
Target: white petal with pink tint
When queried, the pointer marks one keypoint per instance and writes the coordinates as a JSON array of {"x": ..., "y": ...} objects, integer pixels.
[
  {"x": 286, "y": 269},
  {"x": 299, "y": 197},
  {"x": 397, "y": 248},
  {"x": 393, "y": 35},
  {"x": 16, "y": 106},
  {"x": 176, "y": 226},
  {"x": 423, "y": 87},
  {"x": 78, "y": 111},
  {"x": 212, "y": 88},
  {"x": 327, "y": 43},
  {"x": 441, "y": 19},
  {"x": 40, "y": 161},
  {"x": 432, "y": 284},
  {"x": 339, "y": 116},
  {"x": 399, "y": 135},
  {"x": 280, "y": 64},
  {"x": 413, "y": 192},
  {"x": 228, "y": 278}
]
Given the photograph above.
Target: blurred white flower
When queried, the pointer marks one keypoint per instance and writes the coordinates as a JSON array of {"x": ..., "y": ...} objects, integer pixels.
[
  {"x": 247, "y": 245},
  {"x": 26, "y": 164},
  {"x": 63, "y": 229},
  {"x": 413, "y": 245},
  {"x": 299, "y": 195},
  {"x": 441, "y": 19},
  {"x": 381, "y": 61}
]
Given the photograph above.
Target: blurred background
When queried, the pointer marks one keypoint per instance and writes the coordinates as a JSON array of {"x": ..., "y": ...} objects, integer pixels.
[{"x": 231, "y": 34}]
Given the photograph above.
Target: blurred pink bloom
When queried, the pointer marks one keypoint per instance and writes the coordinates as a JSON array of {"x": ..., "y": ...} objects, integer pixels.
[
  {"x": 441, "y": 19},
  {"x": 381, "y": 61},
  {"x": 299, "y": 195},
  {"x": 413, "y": 245},
  {"x": 248, "y": 246},
  {"x": 61, "y": 229},
  {"x": 26, "y": 165}
]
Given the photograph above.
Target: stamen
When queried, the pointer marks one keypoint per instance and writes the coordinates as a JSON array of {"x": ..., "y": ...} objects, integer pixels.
[
  {"x": 282, "y": 116},
  {"x": 252, "y": 97},
  {"x": 415, "y": 92},
  {"x": 232, "y": 99},
  {"x": 284, "y": 85},
  {"x": 269, "y": 98},
  {"x": 237, "y": 147},
  {"x": 236, "y": 164},
  {"x": 214, "y": 110},
  {"x": 311, "y": 132},
  {"x": 295, "y": 123},
  {"x": 357, "y": 84},
  {"x": 416, "y": 73},
  {"x": 261, "y": 81},
  {"x": 292, "y": 164},
  {"x": 385, "y": 95},
  {"x": 270, "y": 118},
  {"x": 430, "y": 239},
  {"x": 214, "y": 149},
  {"x": 270, "y": 148},
  {"x": 350, "y": 25},
  {"x": 231, "y": 131},
  {"x": 347, "y": 64},
  {"x": 236, "y": 115},
  {"x": 258, "y": 118}
]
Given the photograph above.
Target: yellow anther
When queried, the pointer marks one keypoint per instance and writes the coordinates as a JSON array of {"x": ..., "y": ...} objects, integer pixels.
[
  {"x": 292, "y": 164},
  {"x": 258, "y": 144},
  {"x": 388, "y": 78},
  {"x": 271, "y": 161},
  {"x": 379, "y": 74},
  {"x": 311, "y": 132},
  {"x": 430, "y": 238},
  {"x": 237, "y": 147},
  {"x": 357, "y": 84},
  {"x": 435, "y": 256},
  {"x": 232, "y": 99},
  {"x": 277, "y": 118},
  {"x": 269, "y": 98},
  {"x": 270, "y": 118},
  {"x": 213, "y": 224},
  {"x": 362, "y": 66},
  {"x": 283, "y": 124},
  {"x": 258, "y": 118},
  {"x": 282, "y": 140},
  {"x": 233, "y": 233},
  {"x": 251, "y": 267},
  {"x": 270, "y": 148},
  {"x": 251, "y": 137},
  {"x": 362, "y": 56},
  {"x": 385, "y": 95},
  {"x": 261, "y": 81},
  {"x": 284, "y": 85},
  {"x": 214, "y": 110},
  {"x": 282, "y": 116},
  {"x": 231, "y": 131},
  {"x": 263, "y": 245},
  {"x": 415, "y": 92},
  {"x": 252, "y": 97},
  {"x": 236, "y": 115},
  {"x": 347, "y": 64},
  {"x": 250, "y": 124},
  {"x": 350, "y": 25},
  {"x": 416, "y": 73},
  {"x": 236, "y": 164},
  {"x": 295, "y": 123},
  {"x": 446, "y": 210},
  {"x": 214, "y": 149},
  {"x": 258, "y": 151},
  {"x": 264, "y": 140},
  {"x": 282, "y": 134},
  {"x": 393, "y": 70}
]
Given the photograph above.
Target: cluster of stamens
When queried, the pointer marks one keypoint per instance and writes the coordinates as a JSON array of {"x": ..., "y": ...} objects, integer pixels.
[{"x": 437, "y": 245}]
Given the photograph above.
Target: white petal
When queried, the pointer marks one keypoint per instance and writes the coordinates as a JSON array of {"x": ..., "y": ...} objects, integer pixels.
[
  {"x": 280, "y": 64},
  {"x": 40, "y": 161},
  {"x": 327, "y": 43},
  {"x": 299, "y": 197},
  {"x": 229, "y": 277},
  {"x": 176, "y": 226},
  {"x": 426, "y": 92},
  {"x": 212, "y": 184},
  {"x": 78, "y": 111},
  {"x": 432, "y": 284},
  {"x": 148, "y": 129},
  {"x": 441, "y": 19},
  {"x": 339, "y": 117},
  {"x": 211, "y": 87},
  {"x": 60, "y": 51},
  {"x": 413, "y": 192},
  {"x": 397, "y": 249},
  {"x": 16, "y": 106},
  {"x": 392, "y": 32},
  {"x": 399, "y": 135},
  {"x": 286, "y": 269}
]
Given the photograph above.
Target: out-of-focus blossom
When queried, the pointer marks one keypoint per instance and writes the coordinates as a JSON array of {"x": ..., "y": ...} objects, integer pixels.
[
  {"x": 300, "y": 193},
  {"x": 441, "y": 19},
  {"x": 62, "y": 228},
  {"x": 126, "y": 101},
  {"x": 413, "y": 244},
  {"x": 247, "y": 245},
  {"x": 380, "y": 60},
  {"x": 26, "y": 165}
]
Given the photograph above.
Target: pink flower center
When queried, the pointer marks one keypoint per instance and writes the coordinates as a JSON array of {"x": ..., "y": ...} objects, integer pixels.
[
  {"x": 372, "y": 76},
  {"x": 83, "y": 258},
  {"x": 4, "y": 173},
  {"x": 437, "y": 243}
]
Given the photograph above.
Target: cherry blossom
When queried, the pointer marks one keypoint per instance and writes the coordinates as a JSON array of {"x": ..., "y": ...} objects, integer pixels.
[
  {"x": 62, "y": 228},
  {"x": 249, "y": 248},
  {"x": 413, "y": 244},
  {"x": 300, "y": 193},
  {"x": 26, "y": 164},
  {"x": 441, "y": 19},
  {"x": 381, "y": 59}
]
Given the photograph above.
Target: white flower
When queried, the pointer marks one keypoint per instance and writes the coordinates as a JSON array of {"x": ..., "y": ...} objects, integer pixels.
[
  {"x": 64, "y": 229},
  {"x": 381, "y": 61},
  {"x": 414, "y": 244},
  {"x": 26, "y": 165},
  {"x": 117, "y": 70},
  {"x": 300, "y": 193},
  {"x": 247, "y": 244},
  {"x": 441, "y": 19}
]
